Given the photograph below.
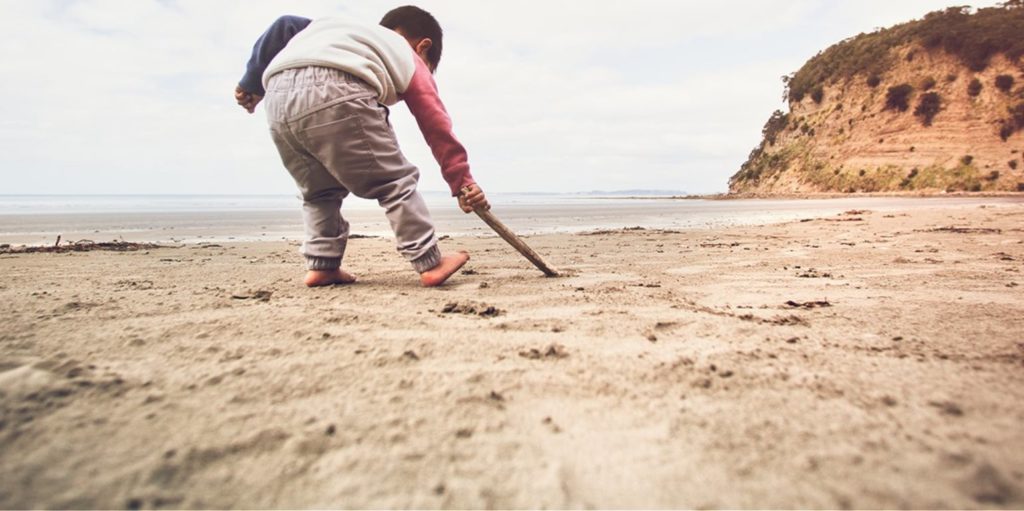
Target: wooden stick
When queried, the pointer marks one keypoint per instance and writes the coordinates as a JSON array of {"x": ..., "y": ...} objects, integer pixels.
[{"x": 517, "y": 243}]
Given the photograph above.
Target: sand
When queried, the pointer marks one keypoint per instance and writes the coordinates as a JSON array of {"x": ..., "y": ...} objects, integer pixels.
[{"x": 871, "y": 359}]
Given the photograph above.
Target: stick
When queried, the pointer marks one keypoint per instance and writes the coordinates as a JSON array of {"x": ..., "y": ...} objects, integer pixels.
[{"x": 515, "y": 241}]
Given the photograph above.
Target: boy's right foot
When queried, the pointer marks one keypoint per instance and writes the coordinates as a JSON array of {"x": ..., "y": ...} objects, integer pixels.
[
  {"x": 316, "y": 278},
  {"x": 448, "y": 266}
]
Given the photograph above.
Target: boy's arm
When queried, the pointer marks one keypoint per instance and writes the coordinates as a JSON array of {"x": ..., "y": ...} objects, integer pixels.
[
  {"x": 266, "y": 48},
  {"x": 423, "y": 101}
]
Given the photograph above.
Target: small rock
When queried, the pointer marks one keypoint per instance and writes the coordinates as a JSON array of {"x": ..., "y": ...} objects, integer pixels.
[
  {"x": 552, "y": 351},
  {"x": 948, "y": 408},
  {"x": 479, "y": 309},
  {"x": 987, "y": 485},
  {"x": 556, "y": 351},
  {"x": 531, "y": 353}
]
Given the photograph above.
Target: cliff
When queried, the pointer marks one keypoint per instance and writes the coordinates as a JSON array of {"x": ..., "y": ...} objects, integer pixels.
[{"x": 932, "y": 105}]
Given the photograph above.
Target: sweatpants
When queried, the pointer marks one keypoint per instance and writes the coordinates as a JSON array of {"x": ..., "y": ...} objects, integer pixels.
[{"x": 335, "y": 139}]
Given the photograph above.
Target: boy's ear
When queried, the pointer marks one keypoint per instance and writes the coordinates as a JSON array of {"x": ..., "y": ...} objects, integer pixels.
[{"x": 423, "y": 45}]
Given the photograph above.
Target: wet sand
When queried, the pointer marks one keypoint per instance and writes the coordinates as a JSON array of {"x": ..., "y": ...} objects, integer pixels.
[
  {"x": 207, "y": 220},
  {"x": 868, "y": 360}
]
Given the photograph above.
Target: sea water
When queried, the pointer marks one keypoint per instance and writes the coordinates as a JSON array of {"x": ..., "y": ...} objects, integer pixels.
[{"x": 39, "y": 219}]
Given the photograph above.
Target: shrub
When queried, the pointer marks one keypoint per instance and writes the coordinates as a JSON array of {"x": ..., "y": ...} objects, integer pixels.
[
  {"x": 874, "y": 81},
  {"x": 967, "y": 159},
  {"x": 1006, "y": 130},
  {"x": 910, "y": 177},
  {"x": 951, "y": 77},
  {"x": 1017, "y": 115},
  {"x": 1012, "y": 164},
  {"x": 927, "y": 107},
  {"x": 1004, "y": 83},
  {"x": 974, "y": 88},
  {"x": 776, "y": 123},
  {"x": 992, "y": 176},
  {"x": 1020, "y": 187},
  {"x": 973, "y": 38},
  {"x": 818, "y": 94},
  {"x": 928, "y": 84},
  {"x": 1014, "y": 123},
  {"x": 898, "y": 97}
]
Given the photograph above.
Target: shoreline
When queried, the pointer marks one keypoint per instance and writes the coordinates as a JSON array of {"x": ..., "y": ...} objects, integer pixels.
[
  {"x": 194, "y": 227},
  {"x": 828, "y": 195}
]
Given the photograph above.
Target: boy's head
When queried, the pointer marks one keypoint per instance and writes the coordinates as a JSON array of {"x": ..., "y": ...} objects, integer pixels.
[{"x": 419, "y": 28}]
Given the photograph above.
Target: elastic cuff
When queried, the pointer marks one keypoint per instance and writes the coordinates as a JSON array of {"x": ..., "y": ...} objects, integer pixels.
[
  {"x": 428, "y": 260},
  {"x": 323, "y": 263}
]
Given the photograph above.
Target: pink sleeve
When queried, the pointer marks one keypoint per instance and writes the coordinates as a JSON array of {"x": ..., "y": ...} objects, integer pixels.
[{"x": 425, "y": 104}]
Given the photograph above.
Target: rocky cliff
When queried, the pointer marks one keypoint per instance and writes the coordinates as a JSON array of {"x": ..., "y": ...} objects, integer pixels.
[{"x": 934, "y": 105}]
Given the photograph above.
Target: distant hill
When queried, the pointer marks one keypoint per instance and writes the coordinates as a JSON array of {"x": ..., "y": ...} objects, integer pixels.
[
  {"x": 935, "y": 104},
  {"x": 636, "y": 193}
]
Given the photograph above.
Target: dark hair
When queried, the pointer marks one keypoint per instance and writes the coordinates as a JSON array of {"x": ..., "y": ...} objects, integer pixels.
[{"x": 417, "y": 24}]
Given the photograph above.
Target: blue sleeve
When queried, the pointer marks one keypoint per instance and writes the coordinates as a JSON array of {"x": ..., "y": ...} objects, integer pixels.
[{"x": 266, "y": 48}]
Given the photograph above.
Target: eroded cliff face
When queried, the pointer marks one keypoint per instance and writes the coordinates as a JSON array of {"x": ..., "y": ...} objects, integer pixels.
[{"x": 857, "y": 135}]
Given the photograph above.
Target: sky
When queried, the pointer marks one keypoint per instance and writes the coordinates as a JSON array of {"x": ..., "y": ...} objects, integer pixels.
[{"x": 135, "y": 96}]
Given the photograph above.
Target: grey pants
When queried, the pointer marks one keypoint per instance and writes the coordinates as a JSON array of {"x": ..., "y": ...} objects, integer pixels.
[{"x": 334, "y": 138}]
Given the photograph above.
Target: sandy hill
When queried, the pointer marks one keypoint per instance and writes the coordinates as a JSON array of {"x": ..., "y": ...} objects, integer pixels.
[{"x": 935, "y": 104}]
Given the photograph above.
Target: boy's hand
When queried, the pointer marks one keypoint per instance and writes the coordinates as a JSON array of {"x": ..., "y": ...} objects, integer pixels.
[
  {"x": 473, "y": 197},
  {"x": 247, "y": 100}
]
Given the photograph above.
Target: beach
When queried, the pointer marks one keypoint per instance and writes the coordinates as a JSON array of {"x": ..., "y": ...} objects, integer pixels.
[{"x": 846, "y": 357}]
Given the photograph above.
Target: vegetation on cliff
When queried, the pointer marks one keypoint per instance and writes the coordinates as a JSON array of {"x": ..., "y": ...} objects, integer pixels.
[
  {"x": 874, "y": 84},
  {"x": 972, "y": 37}
]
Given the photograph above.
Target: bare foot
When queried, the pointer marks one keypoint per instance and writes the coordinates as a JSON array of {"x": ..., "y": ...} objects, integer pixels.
[
  {"x": 440, "y": 273},
  {"x": 315, "y": 278}
]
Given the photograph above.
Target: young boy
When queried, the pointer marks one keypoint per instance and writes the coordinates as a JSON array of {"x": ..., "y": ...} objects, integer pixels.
[{"x": 326, "y": 85}]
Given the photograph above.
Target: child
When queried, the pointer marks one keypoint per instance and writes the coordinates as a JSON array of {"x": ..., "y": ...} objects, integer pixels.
[{"x": 327, "y": 84}]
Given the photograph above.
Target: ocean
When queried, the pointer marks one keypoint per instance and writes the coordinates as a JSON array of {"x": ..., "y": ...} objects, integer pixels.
[{"x": 39, "y": 219}]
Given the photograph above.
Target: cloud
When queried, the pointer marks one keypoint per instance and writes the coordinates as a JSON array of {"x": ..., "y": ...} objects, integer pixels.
[{"x": 133, "y": 96}]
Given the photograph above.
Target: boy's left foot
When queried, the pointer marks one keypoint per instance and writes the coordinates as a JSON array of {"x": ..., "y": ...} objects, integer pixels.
[
  {"x": 446, "y": 268},
  {"x": 316, "y": 278}
]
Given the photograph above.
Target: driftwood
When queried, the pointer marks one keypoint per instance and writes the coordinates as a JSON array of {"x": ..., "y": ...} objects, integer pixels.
[{"x": 79, "y": 246}]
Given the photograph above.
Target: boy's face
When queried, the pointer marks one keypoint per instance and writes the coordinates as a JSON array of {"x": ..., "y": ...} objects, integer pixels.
[{"x": 420, "y": 46}]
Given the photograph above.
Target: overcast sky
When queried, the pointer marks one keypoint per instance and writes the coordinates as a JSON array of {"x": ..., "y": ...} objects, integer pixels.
[{"x": 135, "y": 96}]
